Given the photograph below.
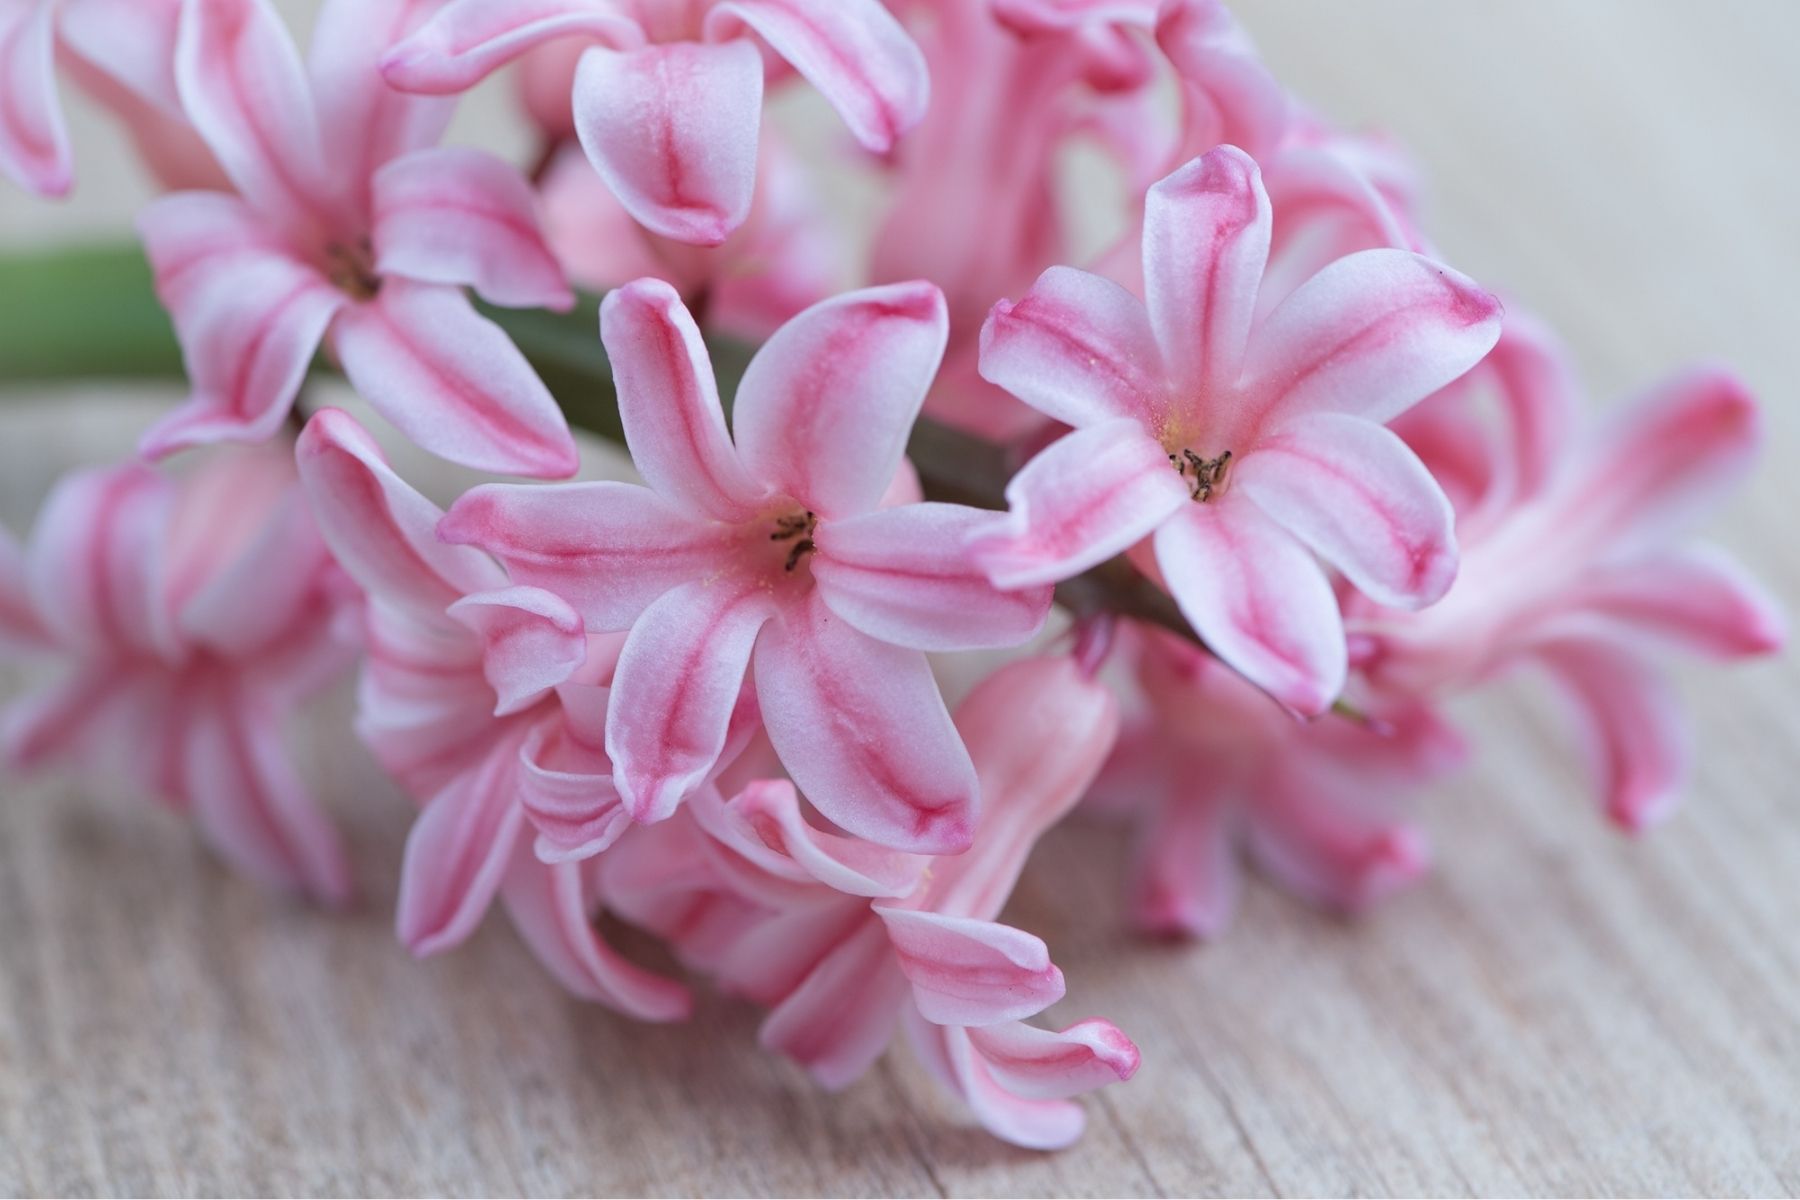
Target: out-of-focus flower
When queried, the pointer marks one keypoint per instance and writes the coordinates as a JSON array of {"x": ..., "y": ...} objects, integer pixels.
[
  {"x": 667, "y": 98},
  {"x": 1209, "y": 771},
  {"x": 188, "y": 619},
  {"x": 345, "y": 228},
  {"x": 843, "y": 941},
  {"x": 1576, "y": 560},
  {"x": 774, "y": 544},
  {"x": 1244, "y": 446},
  {"x": 485, "y": 702}
]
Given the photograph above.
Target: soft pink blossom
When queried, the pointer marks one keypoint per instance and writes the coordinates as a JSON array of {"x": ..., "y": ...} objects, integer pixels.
[
  {"x": 486, "y": 702},
  {"x": 346, "y": 228},
  {"x": 1244, "y": 446},
  {"x": 766, "y": 548},
  {"x": 667, "y": 98},
  {"x": 186, "y": 620},
  {"x": 1577, "y": 560},
  {"x": 843, "y": 941}
]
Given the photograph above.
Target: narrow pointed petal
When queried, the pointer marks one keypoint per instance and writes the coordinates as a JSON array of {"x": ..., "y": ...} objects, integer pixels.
[
  {"x": 531, "y": 641},
  {"x": 458, "y": 216},
  {"x": 244, "y": 89},
  {"x": 861, "y": 727},
  {"x": 969, "y": 972},
  {"x": 827, "y": 404},
  {"x": 458, "y": 852},
  {"x": 1258, "y": 599},
  {"x": 59, "y": 721},
  {"x": 379, "y": 528},
  {"x": 1206, "y": 242},
  {"x": 609, "y": 549},
  {"x": 1328, "y": 843},
  {"x": 676, "y": 688},
  {"x": 764, "y": 821},
  {"x": 841, "y": 1019},
  {"x": 566, "y": 785},
  {"x": 1037, "y": 1064},
  {"x": 854, "y": 51},
  {"x": 34, "y": 141},
  {"x": 1356, "y": 494},
  {"x": 1091, "y": 495},
  {"x": 1370, "y": 335},
  {"x": 1638, "y": 747},
  {"x": 1034, "y": 1124},
  {"x": 673, "y": 130},
  {"x": 1078, "y": 348},
  {"x": 1230, "y": 95},
  {"x": 553, "y": 908},
  {"x": 364, "y": 120},
  {"x": 1185, "y": 879},
  {"x": 1695, "y": 598},
  {"x": 94, "y": 566},
  {"x": 904, "y": 575},
  {"x": 251, "y": 805},
  {"x": 130, "y": 41},
  {"x": 266, "y": 592},
  {"x": 669, "y": 402},
  {"x": 453, "y": 382},
  {"x": 21, "y": 628},
  {"x": 468, "y": 40}
]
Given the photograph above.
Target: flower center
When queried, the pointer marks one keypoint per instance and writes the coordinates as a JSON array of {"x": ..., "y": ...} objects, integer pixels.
[
  {"x": 1205, "y": 476},
  {"x": 351, "y": 268},
  {"x": 796, "y": 529}
]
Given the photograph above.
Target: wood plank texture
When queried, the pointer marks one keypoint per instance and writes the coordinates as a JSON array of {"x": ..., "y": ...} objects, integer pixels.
[{"x": 1557, "y": 1011}]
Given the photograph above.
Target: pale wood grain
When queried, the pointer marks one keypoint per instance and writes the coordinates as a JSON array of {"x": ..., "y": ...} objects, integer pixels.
[{"x": 1557, "y": 1011}]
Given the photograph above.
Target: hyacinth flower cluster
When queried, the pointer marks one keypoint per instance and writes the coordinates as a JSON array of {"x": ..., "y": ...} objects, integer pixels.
[{"x": 1231, "y": 508}]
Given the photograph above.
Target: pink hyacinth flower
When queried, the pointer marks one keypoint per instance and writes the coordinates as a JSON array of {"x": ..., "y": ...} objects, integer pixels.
[
  {"x": 842, "y": 941},
  {"x": 1243, "y": 446},
  {"x": 668, "y": 97},
  {"x": 1210, "y": 772},
  {"x": 485, "y": 702},
  {"x": 346, "y": 228},
  {"x": 189, "y": 620},
  {"x": 772, "y": 553},
  {"x": 1576, "y": 561}
]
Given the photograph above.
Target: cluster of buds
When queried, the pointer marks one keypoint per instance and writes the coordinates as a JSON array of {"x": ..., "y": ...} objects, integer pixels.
[{"x": 1301, "y": 482}]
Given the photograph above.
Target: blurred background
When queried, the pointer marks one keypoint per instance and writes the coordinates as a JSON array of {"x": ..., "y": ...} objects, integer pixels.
[{"x": 1559, "y": 1010}]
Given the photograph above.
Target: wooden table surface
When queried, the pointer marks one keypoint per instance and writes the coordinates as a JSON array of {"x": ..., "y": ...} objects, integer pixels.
[{"x": 1558, "y": 1010}]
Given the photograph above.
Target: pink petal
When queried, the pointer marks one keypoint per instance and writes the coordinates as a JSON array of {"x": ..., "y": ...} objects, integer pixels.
[
  {"x": 34, "y": 142},
  {"x": 1034, "y": 1124},
  {"x": 610, "y": 549},
  {"x": 458, "y": 852},
  {"x": 676, "y": 688},
  {"x": 1662, "y": 462},
  {"x": 1638, "y": 747},
  {"x": 267, "y": 591},
  {"x": 1257, "y": 598},
  {"x": 62, "y": 721},
  {"x": 1370, "y": 335},
  {"x": 1329, "y": 844},
  {"x": 969, "y": 972},
  {"x": 1091, "y": 495},
  {"x": 1229, "y": 95},
  {"x": 861, "y": 727},
  {"x": 95, "y": 566},
  {"x": 841, "y": 1019},
  {"x": 1077, "y": 348},
  {"x": 1185, "y": 878},
  {"x": 130, "y": 41},
  {"x": 364, "y": 121},
  {"x": 826, "y": 406},
  {"x": 854, "y": 51},
  {"x": 531, "y": 642},
  {"x": 243, "y": 88},
  {"x": 1206, "y": 241},
  {"x": 21, "y": 628},
  {"x": 379, "y": 529},
  {"x": 468, "y": 40},
  {"x": 669, "y": 403},
  {"x": 553, "y": 908},
  {"x": 567, "y": 790},
  {"x": 458, "y": 216},
  {"x": 248, "y": 313},
  {"x": 453, "y": 382},
  {"x": 1696, "y": 598},
  {"x": 1036, "y": 1064},
  {"x": 673, "y": 131},
  {"x": 902, "y": 575},
  {"x": 1356, "y": 494},
  {"x": 251, "y": 805},
  {"x": 764, "y": 822}
]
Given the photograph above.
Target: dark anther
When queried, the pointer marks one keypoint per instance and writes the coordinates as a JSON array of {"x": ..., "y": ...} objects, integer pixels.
[
  {"x": 351, "y": 269},
  {"x": 1205, "y": 475},
  {"x": 796, "y": 526}
]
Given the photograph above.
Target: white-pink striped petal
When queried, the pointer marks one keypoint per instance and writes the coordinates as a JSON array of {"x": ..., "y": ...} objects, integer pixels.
[
  {"x": 531, "y": 641},
  {"x": 458, "y": 853},
  {"x": 362, "y": 119},
  {"x": 34, "y": 140},
  {"x": 94, "y": 567},
  {"x": 566, "y": 782},
  {"x": 969, "y": 972},
  {"x": 452, "y": 381},
  {"x": 1039, "y": 1064},
  {"x": 841, "y": 1019},
  {"x": 459, "y": 216},
  {"x": 1695, "y": 598},
  {"x": 764, "y": 823},
  {"x": 468, "y": 40}
]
